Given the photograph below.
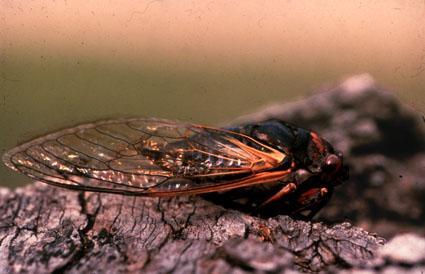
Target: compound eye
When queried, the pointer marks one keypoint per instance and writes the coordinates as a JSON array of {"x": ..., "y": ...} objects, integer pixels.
[{"x": 332, "y": 163}]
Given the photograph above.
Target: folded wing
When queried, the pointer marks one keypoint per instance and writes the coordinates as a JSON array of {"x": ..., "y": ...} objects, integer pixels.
[{"x": 141, "y": 156}]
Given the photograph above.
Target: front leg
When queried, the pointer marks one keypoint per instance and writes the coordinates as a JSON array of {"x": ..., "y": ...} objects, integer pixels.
[
  {"x": 311, "y": 202},
  {"x": 286, "y": 190},
  {"x": 299, "y": 177}
]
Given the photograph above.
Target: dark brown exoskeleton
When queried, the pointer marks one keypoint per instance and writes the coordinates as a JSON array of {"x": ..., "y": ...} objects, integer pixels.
[
  {"x": 268, "y": 168},
  {"x": 315, "y": 169}
]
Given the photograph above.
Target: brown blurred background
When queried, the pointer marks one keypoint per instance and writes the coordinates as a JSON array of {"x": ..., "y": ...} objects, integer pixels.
[{"x": 67, "y": 62}]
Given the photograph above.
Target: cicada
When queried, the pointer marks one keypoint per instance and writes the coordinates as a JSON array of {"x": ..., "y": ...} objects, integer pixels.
[{"x": 270, "y": 167}]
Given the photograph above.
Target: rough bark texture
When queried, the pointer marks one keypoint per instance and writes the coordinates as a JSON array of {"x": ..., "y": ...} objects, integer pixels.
[{"x": 45, "y": 229}]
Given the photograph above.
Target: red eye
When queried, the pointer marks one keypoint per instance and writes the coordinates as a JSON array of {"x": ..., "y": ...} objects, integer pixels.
[{"x": 332, "y": 163}]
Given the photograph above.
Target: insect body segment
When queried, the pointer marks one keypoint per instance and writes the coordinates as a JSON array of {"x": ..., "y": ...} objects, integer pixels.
[{"x": 154, "y": 157}]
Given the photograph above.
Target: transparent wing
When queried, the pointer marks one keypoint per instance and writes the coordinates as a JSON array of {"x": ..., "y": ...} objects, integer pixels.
[{"x": 140, "y": 156}]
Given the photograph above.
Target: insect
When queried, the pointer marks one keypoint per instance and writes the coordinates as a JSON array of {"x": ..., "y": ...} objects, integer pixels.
[{"x": 270, "y": 167}]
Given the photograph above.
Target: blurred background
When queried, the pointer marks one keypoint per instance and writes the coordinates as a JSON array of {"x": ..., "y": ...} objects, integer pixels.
[{"x": 68, "y": 62}]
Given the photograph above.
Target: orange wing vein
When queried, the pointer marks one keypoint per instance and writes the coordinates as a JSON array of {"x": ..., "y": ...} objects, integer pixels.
[{"x": 142, "y": 156}]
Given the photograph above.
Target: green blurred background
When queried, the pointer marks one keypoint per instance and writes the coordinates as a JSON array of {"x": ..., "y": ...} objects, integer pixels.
[{"x": 64, "y": 63}]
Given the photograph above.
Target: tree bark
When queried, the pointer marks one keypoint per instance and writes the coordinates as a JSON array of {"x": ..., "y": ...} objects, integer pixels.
[{"x": 46, "y": 229}]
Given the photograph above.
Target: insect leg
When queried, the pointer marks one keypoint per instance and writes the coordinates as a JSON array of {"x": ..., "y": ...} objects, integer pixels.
[
  {"x": 289, "y": 188},
  {"x": 324, "y": 195}
]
